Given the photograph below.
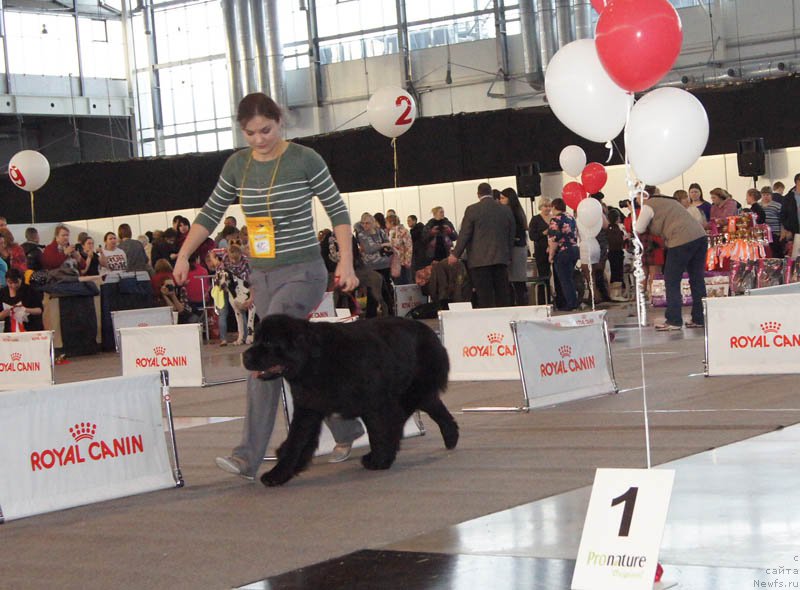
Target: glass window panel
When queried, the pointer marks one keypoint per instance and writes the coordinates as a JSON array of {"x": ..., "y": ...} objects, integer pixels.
[
  {"x": 147, "y": 149},
  {"x": 207, "y": 142},
  {"x": 222, "y": 97},
  {"x": 170, "y": 147},
  {"x": 225, "y": 140},
  {"x": 187, "y": 145},
  {"x": 184, "y": 128},
  {"x": 41, "y": 44}
]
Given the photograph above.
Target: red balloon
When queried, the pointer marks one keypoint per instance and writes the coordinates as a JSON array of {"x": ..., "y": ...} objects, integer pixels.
[
  {"x": 573, "y": 193},
  {"x": 594, "y": 177},
  {"x": 599, "y": 5},
  {"x": 638, "y": 41}
]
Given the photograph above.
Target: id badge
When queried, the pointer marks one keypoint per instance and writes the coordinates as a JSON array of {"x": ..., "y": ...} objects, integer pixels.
[{"x": 261, "y": 236}]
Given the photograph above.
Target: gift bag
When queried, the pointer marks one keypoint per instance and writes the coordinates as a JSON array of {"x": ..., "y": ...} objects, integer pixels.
[
  {"x": 743, "y": 276},
  {"x": 770, "y": 272}
]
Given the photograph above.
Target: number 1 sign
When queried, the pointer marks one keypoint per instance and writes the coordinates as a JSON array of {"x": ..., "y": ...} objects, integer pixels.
[{"x": 623, "y": 528}]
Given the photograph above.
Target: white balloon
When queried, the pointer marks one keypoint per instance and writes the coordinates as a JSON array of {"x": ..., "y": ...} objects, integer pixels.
[
  {"x": 589, "y": 250},
  {"x": 582, "y": 95},
  {"x": 666, "y": 134},
  {"x": 391, "y": 111},
  {"x": 29, "y": 170},
  {"x": 589, "y": 215},
  {"x": 572, "y": 160}
]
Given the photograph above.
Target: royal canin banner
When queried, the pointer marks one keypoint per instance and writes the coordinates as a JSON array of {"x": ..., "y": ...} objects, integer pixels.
[
  {"x": 26, "y": 359},
  {"x": 564, "y": 358},
  {"x": 756, "y": 335},
  {"x": 406, "y": 298},
  {"x": 480, "y": 343},
  {"x": 172, "y": 348},
  {"x": 140, "y": 318},
  {"x": 325, "y": 309},
  {"x": 79, "y": 443}
]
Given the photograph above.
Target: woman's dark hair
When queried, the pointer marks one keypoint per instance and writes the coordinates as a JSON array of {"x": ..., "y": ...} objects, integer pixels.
[
  {"x": 516, "y": 208},
  {"x": 496, "y": 194},
  {"x": 108, "y": 233},
  {"x": 13, "y": 274},
  {"x": 256, "y": 104},
  {"x": 380, "y": 219},
  {"x": 559, "y": 204}
]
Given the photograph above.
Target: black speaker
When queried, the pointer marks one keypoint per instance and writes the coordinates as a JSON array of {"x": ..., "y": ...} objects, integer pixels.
[
  {"x": 529, "y": 181},
  {"x": 751, "y": 157}
]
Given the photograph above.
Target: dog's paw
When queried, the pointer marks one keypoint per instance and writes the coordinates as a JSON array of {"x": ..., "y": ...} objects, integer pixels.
[
  {"x": 369, "y": 461},
  {"x": 450, "y": 436},
  {"x": 273, "y": 478}
]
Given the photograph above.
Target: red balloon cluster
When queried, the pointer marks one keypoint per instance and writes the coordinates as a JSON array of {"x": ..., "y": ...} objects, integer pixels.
[
  {"x": 593, "y": 178},
  {"x": 637, "y": 41}
]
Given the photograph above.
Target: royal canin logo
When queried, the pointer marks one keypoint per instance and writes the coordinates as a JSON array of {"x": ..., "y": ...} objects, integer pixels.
[
  {"x": 495, "y": 337},
  {"x": 566, "y": 364},
  {"x": 77, "y": 452},
  {"x": 83, "y": 430},
  {"x": 494, "y": 348},
  {"x": 18, "y": 365},
  {"x": 161, "y": 359},
  {"x": 770, "y": 337}
]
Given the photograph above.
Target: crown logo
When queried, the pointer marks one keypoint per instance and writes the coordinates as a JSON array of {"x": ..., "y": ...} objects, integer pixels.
[
  {"x": 495, "y": 337},
  {"x": 16, "y": 356},
  {"x": 565, "y": 351},
  {"x": 83, "y": 430},
  {"x": 159, "y": 350},
  {"x": 772, "y": 327}
]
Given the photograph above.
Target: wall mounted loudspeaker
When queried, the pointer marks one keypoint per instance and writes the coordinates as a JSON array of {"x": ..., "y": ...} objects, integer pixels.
[
  {"x": 751, "y": 157},
  {"x": 529, "y": 181}
]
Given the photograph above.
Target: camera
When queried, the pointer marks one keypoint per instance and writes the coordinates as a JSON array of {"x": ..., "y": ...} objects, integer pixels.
[{"x": 624, "y": 203}]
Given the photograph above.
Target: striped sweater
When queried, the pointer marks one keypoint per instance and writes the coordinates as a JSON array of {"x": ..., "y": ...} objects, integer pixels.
[{"x": 301, "y": 175}]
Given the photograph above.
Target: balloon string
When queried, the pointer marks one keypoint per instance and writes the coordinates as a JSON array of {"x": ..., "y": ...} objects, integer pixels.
[
  {"x": 634, "y": 191},
  {"x": 394, "y": 150},
  {"x": 591, "y": 283},
  {"x": 33, "y": 214}
]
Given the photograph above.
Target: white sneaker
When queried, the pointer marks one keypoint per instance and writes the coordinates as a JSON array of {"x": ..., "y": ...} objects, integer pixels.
[
  {"x": 233, "y": 465},
  {"x": 341, "y": 452}
]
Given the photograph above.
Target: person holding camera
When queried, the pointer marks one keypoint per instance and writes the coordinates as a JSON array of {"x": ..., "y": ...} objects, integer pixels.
[{"x": 376, "y": 252}]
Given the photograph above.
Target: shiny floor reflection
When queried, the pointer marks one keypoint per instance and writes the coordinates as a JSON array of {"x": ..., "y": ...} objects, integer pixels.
[
  {"x": 405, "y": 570},
  {"x": 732, "y": 507},
  {"x": 733, "y": 523},
  {"x": 183, "y": 422}
]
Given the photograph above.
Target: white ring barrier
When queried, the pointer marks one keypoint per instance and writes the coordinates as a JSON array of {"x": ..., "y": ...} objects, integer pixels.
[
  {"x": 775, "y": 289},
  {"x": 480, "y": 343},
  {"x": 326, "y": 308},
  {"x": 26, "y": 359},
  {"x": 141, "y": 318},
  {"x": 406, "y": 298},
  {"x": 79, "y": 443},
  {"x": 564, "y": 358},
  {"x": 156, "y": 348},
  {"x": 752, "y": 335}
]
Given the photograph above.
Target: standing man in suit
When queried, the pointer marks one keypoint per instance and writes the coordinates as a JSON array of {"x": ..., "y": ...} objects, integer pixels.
[{"x": 487, "y": 235}]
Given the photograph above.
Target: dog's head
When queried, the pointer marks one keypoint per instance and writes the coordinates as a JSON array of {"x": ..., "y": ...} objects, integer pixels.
[
  {"x": 222, "y": 278},
  {"x": 280, "y": 347}
]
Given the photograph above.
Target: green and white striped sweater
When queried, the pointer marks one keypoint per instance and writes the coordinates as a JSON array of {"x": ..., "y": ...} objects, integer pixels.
[{"x": 301, "y": 175}]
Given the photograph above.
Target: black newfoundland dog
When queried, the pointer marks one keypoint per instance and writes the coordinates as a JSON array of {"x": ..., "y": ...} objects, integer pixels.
[{"x": 380, "y": 370}]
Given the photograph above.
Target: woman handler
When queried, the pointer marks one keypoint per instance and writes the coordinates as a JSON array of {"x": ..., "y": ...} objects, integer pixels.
[{"x": 275, "y": 181}]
